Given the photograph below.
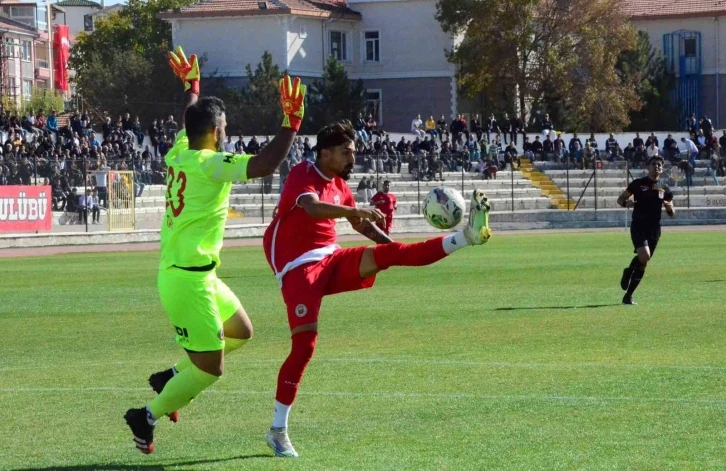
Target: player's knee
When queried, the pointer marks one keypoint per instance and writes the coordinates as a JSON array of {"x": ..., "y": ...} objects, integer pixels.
[{"x": 303, "y": 345}]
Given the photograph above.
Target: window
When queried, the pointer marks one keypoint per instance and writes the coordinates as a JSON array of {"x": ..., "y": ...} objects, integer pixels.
[
  {"x": 27, "y": 89},
  {"x": 372, "y": 43},
  {"x": 9, "y": 48},
  {"x": 689, "y": 47},
  {"x": 11, "y": 86},
  {"x": 87, "y": 23},
  {"x": 27, "y": 50},
  {"x": 373, "y": 105},
  {"x": 338, "y": 45}
]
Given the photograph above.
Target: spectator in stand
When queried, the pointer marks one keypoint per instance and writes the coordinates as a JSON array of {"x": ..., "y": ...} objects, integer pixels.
[
  {"x": 722, "y": 144},
  {"x": 559, "y": 145},
  {"x": 84, "y": 203},
  {"x": 611, "y": 148},
  {"x": 364, "y": 190},
  {"x": 171, "y": 127},
  {"x": 253, "y": 147},
  {"x": 41, "y": 123},
  {"x": 107, "y": 129},
  {"x": 239, "y": 146},
  {"x": 547, "y": 125},
  {"x": 492, "y": 127},
  {"x": 706, "y": 127},
  {"x": 638, "y": 141},
  {"x": 713, "y": 166},
  {"x": 229, "y": 145},
  {"x": 574, "y": 140},
  {"x": 506, "y": 126},
  {"x": 136, "y": 130},
  {"x": 692, "y": 125},
  {"x": 516, "y": 126},
  {"x": 651, "y": 139},
  {"x": 687, "y": 146},
  {"x": 527, "y": 147},
  {"x": 651, "y": 151},
  {"x": 538, "y": 149},
  {"x": 95, "y": 210},
  {"x": 701, "y": 141},
  {"x": 476, "y": 128},
  {"x": 442, "y": 128},
  {"x": 360, "y": 128},
  {"x": 576, "y": 153},
  {"x": 548, "y": 147},
  {"x": 629, "y": 154},
  {"x": 102, "y": 183},
  {"x": 52, "y": 124},
  {"x": 458, "y": 127},
  {"x": 670, "y": 149},
  {"x": 386, "y": 203},
  {"x": 589, "y": 157},
  {"x": 430, "y": 127},
  {"x": 511, "y": 156},
  {"x": 417, "y": 128},
  {"x": 593, "y": 143},
  {"x": 372, "y": 126}
]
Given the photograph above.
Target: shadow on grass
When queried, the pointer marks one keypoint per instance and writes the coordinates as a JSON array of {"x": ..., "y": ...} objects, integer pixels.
[
  {"x": 587, "y": 306},
  {"x": 714, "y": 281},
  {"x": 140, "y": 467}
]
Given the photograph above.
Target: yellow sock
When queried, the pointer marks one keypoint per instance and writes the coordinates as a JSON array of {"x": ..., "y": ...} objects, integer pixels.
[{"x": 180, "y": 390}]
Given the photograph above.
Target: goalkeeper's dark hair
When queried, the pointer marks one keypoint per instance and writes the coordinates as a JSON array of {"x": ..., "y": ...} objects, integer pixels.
[
  {"x": 334, "y": 135},
  {"x": 203, "y": 116}
]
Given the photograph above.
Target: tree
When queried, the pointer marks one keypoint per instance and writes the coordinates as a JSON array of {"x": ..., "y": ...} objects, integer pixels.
[
  {"x": 261, "y": 112},
  {"x": 654, "y": 84},
  {"x": 334, "y": 97},
  {"x": 136, "y": 35},
  {"x": 546, "y": 53}
]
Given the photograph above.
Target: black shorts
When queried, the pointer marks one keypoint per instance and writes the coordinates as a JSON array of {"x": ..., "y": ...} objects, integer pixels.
[{"x": 645, "y": 236}]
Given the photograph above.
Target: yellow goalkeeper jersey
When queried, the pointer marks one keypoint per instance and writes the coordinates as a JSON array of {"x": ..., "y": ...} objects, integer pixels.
[{"x": 198, "y": 184}]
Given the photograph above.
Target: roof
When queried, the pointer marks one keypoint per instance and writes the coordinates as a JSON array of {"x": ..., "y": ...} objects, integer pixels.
[
  {"x": 667, "y": 9},
  {"x": 226, "y": 8},
  {"x": 6, "y": 24},
  {"x": 79, "y": 3}
]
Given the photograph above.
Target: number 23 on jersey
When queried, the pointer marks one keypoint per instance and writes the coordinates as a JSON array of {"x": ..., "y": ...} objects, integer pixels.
[{"x": 176, "y": 183}]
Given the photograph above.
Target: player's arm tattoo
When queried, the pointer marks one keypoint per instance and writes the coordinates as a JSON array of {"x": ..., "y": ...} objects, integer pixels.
[{"x": 370, "y": 230}]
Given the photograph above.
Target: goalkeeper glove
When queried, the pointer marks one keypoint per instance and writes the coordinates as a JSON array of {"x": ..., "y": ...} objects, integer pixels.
[
  {"x": 186, "y": 70},
  {"x": 292, "y": 98}
]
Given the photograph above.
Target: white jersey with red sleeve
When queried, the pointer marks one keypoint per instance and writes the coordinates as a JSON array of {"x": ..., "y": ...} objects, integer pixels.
[{"x": 293, "y": 238}]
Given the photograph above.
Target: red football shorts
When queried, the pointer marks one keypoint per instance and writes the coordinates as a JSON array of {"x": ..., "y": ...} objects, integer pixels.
[
  {"x": 303, "y": 287},
  {"x": 386, "y": 225}
]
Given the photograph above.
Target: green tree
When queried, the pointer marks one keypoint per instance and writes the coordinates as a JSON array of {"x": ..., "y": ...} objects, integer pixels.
[
  {"x": 125, "y": 45},
  {"x": 334, "y": 97},
  {"x": 558, "y": 54},
  {"x": 646, "y": 67},
  {"x": 260, "y": 110}
]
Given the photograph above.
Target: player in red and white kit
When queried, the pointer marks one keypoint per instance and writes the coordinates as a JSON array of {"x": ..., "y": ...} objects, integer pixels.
[
  {"x": 386, "y": 203},
  {"x": 300, "y": 246}
]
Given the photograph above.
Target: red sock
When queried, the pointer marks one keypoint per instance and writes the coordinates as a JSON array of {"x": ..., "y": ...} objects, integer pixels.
[
  {"x": 409, "y": 255},
  {"x": 291, "y": 372}
]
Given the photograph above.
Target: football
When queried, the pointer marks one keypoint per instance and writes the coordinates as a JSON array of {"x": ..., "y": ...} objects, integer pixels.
[{"x": 444, "y": 207}]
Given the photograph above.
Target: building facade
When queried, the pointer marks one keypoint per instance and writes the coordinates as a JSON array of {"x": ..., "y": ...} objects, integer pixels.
[
  {"x": 79, "y": 15},
  {"x": 396, "y": 47},
  {"x": 690, "y": 36}
]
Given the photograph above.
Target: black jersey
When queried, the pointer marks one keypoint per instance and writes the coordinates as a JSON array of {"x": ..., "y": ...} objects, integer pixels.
[{"x": 649, "y": 196}]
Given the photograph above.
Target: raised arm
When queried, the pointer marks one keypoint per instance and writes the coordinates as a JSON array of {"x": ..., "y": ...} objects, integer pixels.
[{"x": 188, "y": 72}]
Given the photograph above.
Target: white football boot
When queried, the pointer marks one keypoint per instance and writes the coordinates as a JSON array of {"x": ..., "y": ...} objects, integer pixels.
[
  {"x": 280, "y": 443},
  {"x": 477, "y": 230}
]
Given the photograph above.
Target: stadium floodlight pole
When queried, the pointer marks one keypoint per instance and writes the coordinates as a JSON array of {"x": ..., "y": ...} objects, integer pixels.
[
  {"x": 512, "y": 179},
  {"x": 262, "y": 192},
  {"x": 418, "y": 183},
  {"x": 595, "y": 189},
  {"x": 85, "y": 189},
  {"x": 568, "y": 181}
]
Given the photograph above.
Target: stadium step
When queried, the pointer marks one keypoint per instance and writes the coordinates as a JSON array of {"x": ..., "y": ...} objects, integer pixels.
[{"x": 549, "y": 189}]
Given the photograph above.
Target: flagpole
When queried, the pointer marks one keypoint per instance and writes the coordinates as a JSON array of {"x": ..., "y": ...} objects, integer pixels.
[{"x": 50, "y": 43}]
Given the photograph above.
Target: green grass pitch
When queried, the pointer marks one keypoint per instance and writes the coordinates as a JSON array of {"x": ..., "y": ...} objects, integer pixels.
[{"x": 514, "y": 356}]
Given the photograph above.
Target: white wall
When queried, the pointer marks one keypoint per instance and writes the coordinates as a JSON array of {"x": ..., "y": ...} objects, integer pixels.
[
  {"x": 232, "y": 43},
  {"x": 74, "y": 18},
  {"x": 304, "y": 46},
  {"x": 710, "y": 30},
  {"x": 411, "y": 40}
]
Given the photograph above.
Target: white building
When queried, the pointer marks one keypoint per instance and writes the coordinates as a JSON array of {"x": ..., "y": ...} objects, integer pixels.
[
  {"x": 689, "y": 35},
  {"x": 79, "y": 15},
  {"x": 395, "y": 46}
]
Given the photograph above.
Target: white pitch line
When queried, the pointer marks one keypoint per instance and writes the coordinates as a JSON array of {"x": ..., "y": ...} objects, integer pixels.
[
  {"x": 396, "y": 395},
  {"x": 405, "y": 361}
]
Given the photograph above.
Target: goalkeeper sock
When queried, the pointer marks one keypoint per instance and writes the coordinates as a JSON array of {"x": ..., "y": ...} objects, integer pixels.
[
  {"x": 409, "y": 255},
  {"x": 230, "y": 345},
  {"x": 180, "y": 390},
  {"x": 635, "y": 281},
  {"x": 292, "y": 370}
]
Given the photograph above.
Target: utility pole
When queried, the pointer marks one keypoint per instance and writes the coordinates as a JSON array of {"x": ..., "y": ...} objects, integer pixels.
[{"x": 49, "y": 13}]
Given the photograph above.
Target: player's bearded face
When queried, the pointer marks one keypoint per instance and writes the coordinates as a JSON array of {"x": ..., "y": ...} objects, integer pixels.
[
  {"x": 655, "y": 169},
  {"x": 344, "y": 157}
]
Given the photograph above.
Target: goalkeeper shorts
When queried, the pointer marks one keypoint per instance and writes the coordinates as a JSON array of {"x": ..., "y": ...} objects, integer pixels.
[{"x": 198, "y": 304}]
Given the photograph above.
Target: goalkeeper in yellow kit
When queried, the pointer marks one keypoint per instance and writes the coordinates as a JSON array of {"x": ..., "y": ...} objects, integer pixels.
[{"x": 208, "y": 318}]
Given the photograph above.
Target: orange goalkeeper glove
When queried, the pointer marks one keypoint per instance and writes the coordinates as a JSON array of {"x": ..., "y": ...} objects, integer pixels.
[
  {"x": 292, "y": 98},
  {"x": 186, "y": 70}
]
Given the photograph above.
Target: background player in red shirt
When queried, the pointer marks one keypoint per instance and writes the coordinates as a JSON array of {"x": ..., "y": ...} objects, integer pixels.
[
  {"x": 386, "y": 203},
  {"x": 300, "y": 246}
]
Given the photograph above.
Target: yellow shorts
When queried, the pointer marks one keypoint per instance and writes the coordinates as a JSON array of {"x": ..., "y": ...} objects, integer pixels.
[{"x": 198, "y": 304}]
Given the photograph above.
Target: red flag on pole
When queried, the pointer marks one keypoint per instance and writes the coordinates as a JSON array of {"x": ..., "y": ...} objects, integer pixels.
[{"x": 62, "y": 47}]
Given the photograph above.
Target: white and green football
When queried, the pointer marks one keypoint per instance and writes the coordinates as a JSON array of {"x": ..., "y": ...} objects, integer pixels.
[{"x": 444, "y": 207}]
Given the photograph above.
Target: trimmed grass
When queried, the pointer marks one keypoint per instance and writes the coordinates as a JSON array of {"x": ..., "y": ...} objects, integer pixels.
[{"x": 514, "y": 356}]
